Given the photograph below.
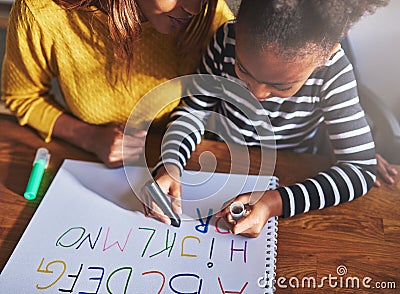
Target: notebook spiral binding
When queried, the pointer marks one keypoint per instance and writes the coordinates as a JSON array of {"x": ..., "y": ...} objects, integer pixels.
[
  {"x": 270, "y": 254},
  {"x": 271, "y": 248}
]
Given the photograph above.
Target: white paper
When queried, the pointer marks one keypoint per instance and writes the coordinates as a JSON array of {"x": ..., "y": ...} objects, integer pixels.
[{"x": 89, "y": 235}]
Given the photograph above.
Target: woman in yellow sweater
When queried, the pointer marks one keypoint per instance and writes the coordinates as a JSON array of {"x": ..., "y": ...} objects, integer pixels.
[{"x": 105, "y": 55}]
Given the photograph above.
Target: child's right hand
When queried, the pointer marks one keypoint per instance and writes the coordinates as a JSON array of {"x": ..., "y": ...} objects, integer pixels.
[{"x": 168, "y": 178}]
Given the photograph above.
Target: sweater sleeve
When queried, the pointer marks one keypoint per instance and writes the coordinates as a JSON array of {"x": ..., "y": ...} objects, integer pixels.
[
  {"x": 353, "y": 174},
  {"x": 27, "y": 72},
  {"x": 222, "y": 15}
]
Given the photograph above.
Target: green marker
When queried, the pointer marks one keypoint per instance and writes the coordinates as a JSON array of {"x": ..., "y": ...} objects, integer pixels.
[{"x": 40, "y": 163}]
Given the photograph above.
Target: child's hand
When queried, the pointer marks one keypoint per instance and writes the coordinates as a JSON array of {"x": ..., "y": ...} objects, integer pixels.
[
  {"x": 385, "y": 171},
  {"x": 270, "y": 204},
  {"x": 168, "y": 178}
]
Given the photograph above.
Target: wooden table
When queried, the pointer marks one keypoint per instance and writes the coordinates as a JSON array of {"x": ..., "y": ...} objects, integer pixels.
[{"x": 363, "y": 236}]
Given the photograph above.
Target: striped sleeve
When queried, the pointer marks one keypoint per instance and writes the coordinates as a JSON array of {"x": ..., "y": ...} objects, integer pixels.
[
  {"x": 354, "y": 171},
  {"x": 328, "y": 97},
  {"x": 187, "y": 121}
]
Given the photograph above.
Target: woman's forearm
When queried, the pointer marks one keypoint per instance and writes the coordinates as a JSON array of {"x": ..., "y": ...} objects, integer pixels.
[{"x": 75, "y": 131}]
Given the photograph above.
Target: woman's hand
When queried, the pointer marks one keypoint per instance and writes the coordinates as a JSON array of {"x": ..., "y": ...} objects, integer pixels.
[
  {"x": 104, "y": 141},
  {"x": 107, "y": 144},
  {"x": 168, "y": 178},
  {"x": 251, "y": 225},
  {"x": 385, "y": 171}
]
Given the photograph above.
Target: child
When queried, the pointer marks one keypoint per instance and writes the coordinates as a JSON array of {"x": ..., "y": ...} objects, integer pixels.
[{"x": 287, "y": 53}]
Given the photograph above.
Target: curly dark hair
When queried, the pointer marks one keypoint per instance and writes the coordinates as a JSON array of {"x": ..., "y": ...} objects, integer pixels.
[{"x": 299, "y": 27}]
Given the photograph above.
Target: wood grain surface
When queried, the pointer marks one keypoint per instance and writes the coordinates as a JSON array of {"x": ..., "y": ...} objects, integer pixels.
[{"x": 356, "y": 241}]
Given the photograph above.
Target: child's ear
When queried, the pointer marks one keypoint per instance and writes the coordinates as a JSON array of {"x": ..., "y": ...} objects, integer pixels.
[{"x": 335, "y": 48}]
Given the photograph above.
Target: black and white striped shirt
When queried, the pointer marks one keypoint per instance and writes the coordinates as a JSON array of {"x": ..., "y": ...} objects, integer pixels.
[{"x": 329, "y": 97}]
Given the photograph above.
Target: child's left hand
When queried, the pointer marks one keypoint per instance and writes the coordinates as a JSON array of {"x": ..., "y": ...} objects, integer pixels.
[
  {"x": 269, "y": 204},
  {"x": 385, "y": 171}
]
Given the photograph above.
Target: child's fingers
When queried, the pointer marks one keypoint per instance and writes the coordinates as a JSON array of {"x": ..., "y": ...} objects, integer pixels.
[
  {"x": 229, "y": 218},
  {"x": 175, "y": 195},
  {"x": 244, "y": 198},
  {"x": 176, "y": 205},
  {"x": 226, "y": 215},
  {"x": 249, "y": 226},
  {"x": 225, "y": 212},
  {"x": 145, "y": 210},
  {"x": 151, "y": 209},
  {"x": 157, "y": 213}
]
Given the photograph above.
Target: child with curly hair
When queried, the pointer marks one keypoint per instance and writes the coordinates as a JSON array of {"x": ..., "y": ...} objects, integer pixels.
[{"x": 287, "y": 53}]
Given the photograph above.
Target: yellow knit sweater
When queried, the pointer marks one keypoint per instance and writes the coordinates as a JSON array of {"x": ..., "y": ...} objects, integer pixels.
[{"x": 45, "y": 41}]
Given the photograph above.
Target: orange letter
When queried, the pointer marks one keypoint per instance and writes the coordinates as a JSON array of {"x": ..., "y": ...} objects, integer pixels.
[
  {"x": 183, "y": 241},
  {"x": 47, "y": 271}
]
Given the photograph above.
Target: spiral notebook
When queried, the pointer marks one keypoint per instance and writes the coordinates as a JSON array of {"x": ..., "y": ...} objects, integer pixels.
[
  {"x": 268, "y": 282},
  {"x": 89, "y": 235},
  {"x": 270, "y": 255}
]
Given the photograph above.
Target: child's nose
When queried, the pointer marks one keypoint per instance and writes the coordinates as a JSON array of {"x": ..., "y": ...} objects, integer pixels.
[{"x": 260, "y": 91}]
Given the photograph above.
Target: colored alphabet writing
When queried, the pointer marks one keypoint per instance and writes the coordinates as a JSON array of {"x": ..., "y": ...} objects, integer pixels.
[
  {"x": 157, "y": 243},
  {"x": 97, "y": 276},
  {"x": 164, "y": 240},
  {"x": 87, "y": 237}
]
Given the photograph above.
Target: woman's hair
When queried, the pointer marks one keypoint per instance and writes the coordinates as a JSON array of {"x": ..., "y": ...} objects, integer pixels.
[
  {"x": 297, "y": 28},
  {"x": 125, "y": 27}
]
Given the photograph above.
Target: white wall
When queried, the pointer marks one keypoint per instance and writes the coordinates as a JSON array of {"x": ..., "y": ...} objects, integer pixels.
[{"x": 376, "y": 43}]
